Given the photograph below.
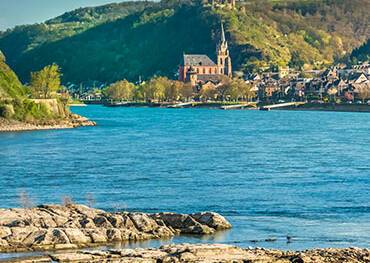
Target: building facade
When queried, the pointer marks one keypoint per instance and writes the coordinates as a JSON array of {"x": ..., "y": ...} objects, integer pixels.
[{"x": 200, "y": 68}]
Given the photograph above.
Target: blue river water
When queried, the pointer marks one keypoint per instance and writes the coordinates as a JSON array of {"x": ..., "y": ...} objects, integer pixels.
[{"x": 272, "y": 174}]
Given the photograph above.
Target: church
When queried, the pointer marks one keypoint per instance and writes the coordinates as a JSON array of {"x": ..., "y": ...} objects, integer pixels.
[{"x": 200, "y": 69}]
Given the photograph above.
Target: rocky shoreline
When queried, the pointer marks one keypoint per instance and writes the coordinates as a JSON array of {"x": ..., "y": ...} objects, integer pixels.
[
  {"x": 66, "y": 230},
  {"x": 53, "y": 227},
  {"x": 205, "y": 254},
  {"x": 73, "y": 121}
]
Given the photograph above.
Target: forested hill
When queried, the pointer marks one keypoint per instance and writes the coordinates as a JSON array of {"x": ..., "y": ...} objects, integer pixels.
[
  {"x": 135, "y": 39},
  {"x": 10, "y": 86},
  {"x": 361, "y": 54}
]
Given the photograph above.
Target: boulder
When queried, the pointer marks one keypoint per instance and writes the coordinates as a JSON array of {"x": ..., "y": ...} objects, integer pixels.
[
  {"x": 76, "y": 236},
  {"x": 185, "y": 223},
  {"x": 97, "y": 235},
  {"x": 102, "y": 221},
  {"x": 19, "y": 234},
  {"x": 51, "y": 226},
  {"x": 114, "y": 235},
  {"x": 87, "y": 223},
  {"x": 73, "y": 257},
  {"x": 143, "y": 222},
  {"x": 212, "y": 220},
  {"x": 4, "y": 232},
  {"x": 35, "y": 238}
]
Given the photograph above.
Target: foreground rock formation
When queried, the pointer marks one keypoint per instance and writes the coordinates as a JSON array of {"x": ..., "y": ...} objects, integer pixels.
[
  {"x": 73, "y": 121},
  {"x": 51, "y": 227},
  {"x": 209, "y": 254}
]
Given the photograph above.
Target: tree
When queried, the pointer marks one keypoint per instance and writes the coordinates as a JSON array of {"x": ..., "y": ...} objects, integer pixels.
[
  {"x": 45, "y": 81},
  {"x": 120, "y": 90},
  {"x": 172, "y": 90},
  {"x": 208, "y": 92},
  {"x": 186, "y": 91},
  {"x": 224, "y": 88},
  {"x": 296, "y": 61},
  {"x": 241, "y": 90},
  {"x": 139, "y": 92},
  {"x": 332, "y": 92},
  {"x": 155, "y": 88},
  {"x": 364, "y": 91}
]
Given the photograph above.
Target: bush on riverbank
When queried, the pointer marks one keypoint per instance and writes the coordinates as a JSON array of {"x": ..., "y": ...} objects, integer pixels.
[{"x": 15, "y": 104}]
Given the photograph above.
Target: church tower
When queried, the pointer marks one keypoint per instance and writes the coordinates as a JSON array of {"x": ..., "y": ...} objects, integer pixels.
[{"x": 223, "y": 56}]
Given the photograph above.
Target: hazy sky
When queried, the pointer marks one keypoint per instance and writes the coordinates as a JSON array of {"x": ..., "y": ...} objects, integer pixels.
[{"x": 19, "y": 12}]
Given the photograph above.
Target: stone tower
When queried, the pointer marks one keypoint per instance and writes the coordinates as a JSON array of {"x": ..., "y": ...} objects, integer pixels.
[
  {"x": 223, "y": 56},
  {"x": 230, "y": 3},
  {"x": 191, "y": 76}
]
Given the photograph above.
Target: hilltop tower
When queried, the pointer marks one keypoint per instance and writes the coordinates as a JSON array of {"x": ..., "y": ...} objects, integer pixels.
[
  {"x": 230, "y": 3},
  {"x": 223, "y": 55}
]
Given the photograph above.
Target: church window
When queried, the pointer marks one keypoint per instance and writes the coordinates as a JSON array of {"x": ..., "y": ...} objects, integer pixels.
[
  {"x": 204, "y": 71},
  {"x": 221, "y": 62}
]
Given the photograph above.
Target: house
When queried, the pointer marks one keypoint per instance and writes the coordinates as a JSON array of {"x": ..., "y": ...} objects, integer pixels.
[
  {"x": 199, "y": 69},
  {"x": 357, "y": 78},
  {"x": 341, "y": 86},
  {"x": 330, "y": 74},
  {"x": 364, "y": 67}
]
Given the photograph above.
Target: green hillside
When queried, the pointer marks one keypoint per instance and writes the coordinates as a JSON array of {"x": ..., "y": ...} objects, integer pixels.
[
  {"x": 13, "y": 99},
  {"x": 135, "y": 39},
  {"x": 10, "y": 86},
  {"x": 22, "y": 39}
]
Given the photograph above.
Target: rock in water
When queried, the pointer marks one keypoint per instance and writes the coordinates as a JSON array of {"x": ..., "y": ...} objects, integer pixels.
[{"x": 76, "y": 226}]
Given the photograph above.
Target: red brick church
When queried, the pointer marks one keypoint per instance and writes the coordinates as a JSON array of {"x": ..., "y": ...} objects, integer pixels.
[{"x": 199, "y": 69}]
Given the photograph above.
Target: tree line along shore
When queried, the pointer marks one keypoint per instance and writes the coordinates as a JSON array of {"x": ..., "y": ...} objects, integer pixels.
[{"x": 337, "y": 88}]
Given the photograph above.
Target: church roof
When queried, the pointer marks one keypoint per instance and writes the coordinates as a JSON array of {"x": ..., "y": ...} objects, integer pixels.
[{"x": 198, "y": 60}]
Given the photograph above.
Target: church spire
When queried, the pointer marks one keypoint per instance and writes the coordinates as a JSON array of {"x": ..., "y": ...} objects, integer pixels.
[
  {"x": 223, "y": 38},
  {"x": 223, "y": 56}
]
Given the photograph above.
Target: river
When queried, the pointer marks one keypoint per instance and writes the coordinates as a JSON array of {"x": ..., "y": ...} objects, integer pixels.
[{"x": 274, "y": 174}]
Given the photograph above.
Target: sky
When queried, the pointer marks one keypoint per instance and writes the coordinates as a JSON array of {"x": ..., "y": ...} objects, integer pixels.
[{"x": 20, "y": 12}]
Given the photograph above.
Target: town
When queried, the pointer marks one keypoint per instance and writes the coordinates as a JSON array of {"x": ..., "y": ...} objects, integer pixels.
[
  {"x": 211, "y": 78},
  {"x": 202, "y": 80}
]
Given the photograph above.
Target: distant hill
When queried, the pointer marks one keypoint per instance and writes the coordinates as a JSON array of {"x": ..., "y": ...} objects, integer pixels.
[{"x": 135, "y": 39}]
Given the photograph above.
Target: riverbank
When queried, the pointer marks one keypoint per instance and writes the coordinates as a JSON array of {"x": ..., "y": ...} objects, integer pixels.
[
  {"x": 172, "y": 105},
  {"x": 206, "y": 254},
  {"x": 54, "y": 227},
  {"x": 330, "y": 107},
  {"x": 73, "y": 121},
  {"x": 250, "y": 106},
  {"x": 65, "y": 230}
]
